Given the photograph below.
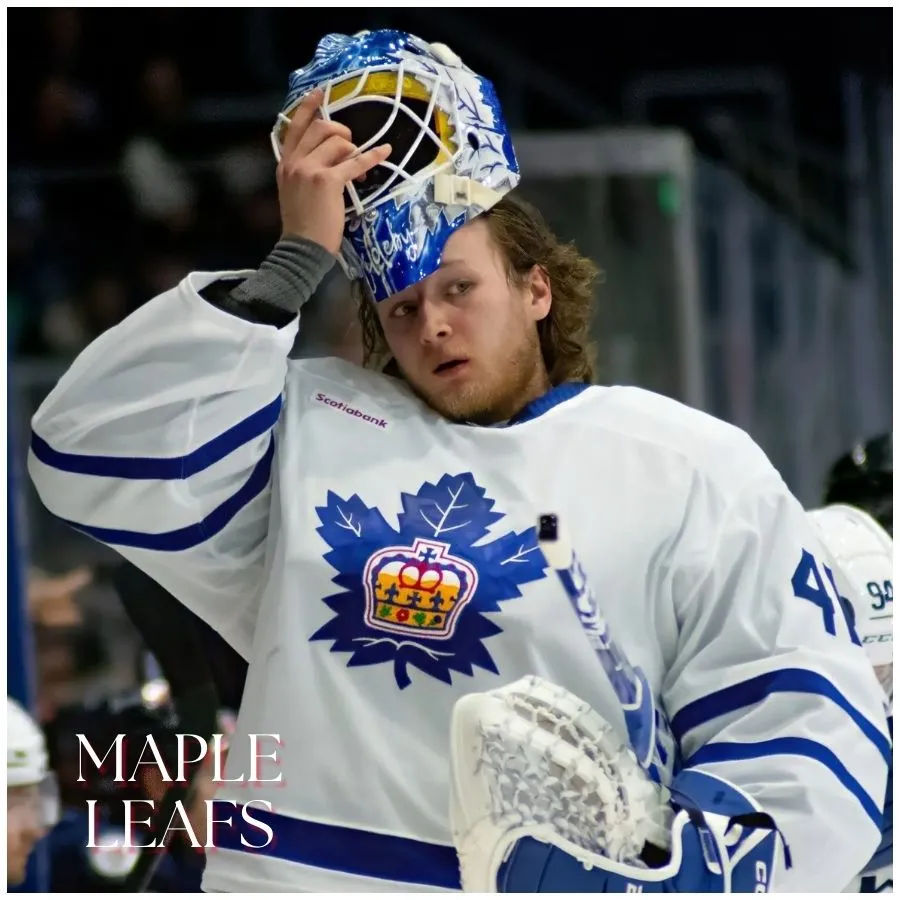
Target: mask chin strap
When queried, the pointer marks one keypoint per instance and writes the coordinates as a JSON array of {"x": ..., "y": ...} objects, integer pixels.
[
  {"x": 455, "y": 190},
  {"x": 348, "y": 261}
]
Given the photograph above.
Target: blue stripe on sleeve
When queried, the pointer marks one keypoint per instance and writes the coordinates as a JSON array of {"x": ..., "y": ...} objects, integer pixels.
[
  {"x": 191, "y": 535},
  {"x": 144, "y": 468},
  {"x": 731, "y": 752},
  {"x": 755, "y": 690}
]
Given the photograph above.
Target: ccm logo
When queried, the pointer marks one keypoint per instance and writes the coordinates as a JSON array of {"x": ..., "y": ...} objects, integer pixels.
[{"x": 340, "y": 406}]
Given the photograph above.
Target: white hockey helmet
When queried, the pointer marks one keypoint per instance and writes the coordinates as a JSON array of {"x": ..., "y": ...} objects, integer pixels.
[
  {"x": 864, "y": 552},
  {"x": 27, "y": 763},
  {"x": 26, "y": 750}
]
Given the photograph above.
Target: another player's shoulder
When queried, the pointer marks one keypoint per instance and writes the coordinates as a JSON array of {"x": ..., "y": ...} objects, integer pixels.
[{"x": 660, "y": 425}]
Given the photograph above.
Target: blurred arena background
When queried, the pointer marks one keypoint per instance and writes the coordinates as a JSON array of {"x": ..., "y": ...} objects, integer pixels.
[{"x": 729, "y": 170}]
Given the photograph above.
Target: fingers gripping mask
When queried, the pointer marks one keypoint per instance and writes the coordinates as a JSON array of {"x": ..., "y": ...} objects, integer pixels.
[{"x": 452, "y": 157}]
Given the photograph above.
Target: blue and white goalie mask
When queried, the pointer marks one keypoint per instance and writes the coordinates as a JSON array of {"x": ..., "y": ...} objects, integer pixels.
[{"x": 452, "y": 157}]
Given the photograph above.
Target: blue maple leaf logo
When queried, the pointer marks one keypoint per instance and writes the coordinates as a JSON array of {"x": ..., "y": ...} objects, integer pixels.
[{"x": 416, "y": 595}]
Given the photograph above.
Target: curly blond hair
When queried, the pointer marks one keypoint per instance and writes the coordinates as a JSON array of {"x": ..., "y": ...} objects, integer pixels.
[{"x": 525, "y": 240}]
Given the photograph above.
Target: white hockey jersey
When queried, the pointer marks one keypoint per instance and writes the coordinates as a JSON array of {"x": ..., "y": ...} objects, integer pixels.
[
  {"x": 374, "y": 562},
  {"x": 865, "y": 553}
]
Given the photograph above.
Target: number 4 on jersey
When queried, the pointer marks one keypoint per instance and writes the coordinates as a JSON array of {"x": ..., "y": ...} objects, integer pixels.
[{"x": 809, "y": 585}]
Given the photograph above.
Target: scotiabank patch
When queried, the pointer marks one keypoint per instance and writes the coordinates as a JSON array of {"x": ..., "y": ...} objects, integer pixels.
[{"x": 349, "y": 410}]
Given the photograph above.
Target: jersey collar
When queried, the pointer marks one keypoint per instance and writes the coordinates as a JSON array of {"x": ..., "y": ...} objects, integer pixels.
[{"x": 544, "y": 403}]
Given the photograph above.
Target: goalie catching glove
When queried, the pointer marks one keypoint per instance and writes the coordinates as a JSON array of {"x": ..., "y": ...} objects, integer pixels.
[{"x": 546, "y": 798}]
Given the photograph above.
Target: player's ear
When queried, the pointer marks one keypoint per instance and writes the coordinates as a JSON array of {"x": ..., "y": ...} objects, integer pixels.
[{"x": 539, "y": 293}]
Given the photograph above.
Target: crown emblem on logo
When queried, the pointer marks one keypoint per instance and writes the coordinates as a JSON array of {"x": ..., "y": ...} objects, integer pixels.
[{"x": 419, "y": 590}]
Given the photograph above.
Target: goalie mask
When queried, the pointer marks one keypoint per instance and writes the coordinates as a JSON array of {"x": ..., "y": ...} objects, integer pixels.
[{"x": 451, "y": 158}]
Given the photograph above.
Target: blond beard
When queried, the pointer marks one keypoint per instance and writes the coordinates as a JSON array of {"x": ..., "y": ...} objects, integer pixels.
[{"x": 522, "y": 378}]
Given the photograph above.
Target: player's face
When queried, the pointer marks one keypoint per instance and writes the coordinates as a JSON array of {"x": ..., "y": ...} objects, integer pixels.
[
  {"x": 24, "y": 828},
  {"x": 465, "y": 338}
]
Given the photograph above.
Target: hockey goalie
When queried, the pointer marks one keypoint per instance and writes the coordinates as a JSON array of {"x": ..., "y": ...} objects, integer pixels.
[{"x": 365, "y": 537}]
